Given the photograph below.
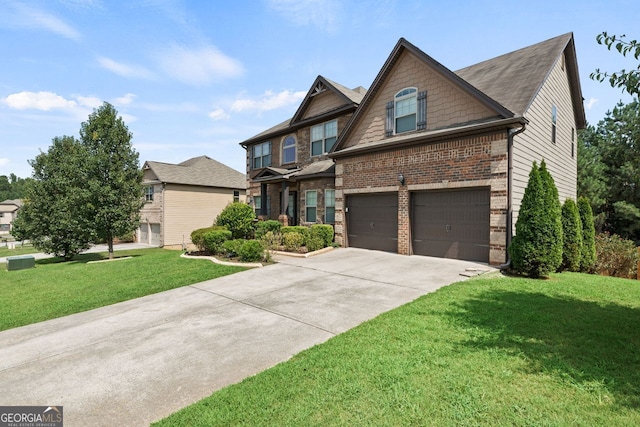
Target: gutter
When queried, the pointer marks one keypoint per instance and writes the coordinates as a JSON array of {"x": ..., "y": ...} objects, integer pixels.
[{"x": 512, "y": 133}]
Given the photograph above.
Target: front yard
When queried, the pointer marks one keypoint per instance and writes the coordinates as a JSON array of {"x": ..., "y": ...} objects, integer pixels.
[
  {"x": 488, "y": 351},
  {"x": 54, "y": 288}
]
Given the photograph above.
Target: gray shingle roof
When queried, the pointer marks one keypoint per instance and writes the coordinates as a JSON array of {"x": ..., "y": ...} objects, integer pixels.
[
  {"x": 514, "y": 79},
  {"x": 202, "y": 171}
]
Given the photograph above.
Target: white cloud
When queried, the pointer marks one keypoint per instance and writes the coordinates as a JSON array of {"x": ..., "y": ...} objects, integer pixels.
[
  {"x": 323, "y": 14},
  {"x": 20, "y": 15},
  {"x": 124, "y": 70},
  {"x": 44, "y": 101},
  {"x": 269, "y": 101},
  {"x": 124, "y": 100},
  {"x": 591, "y": 103},
  {"x": 4, "y": 162},
  {"x": 219, "y": 114},
  {"x": 89, "y": 101},
  {"x": 198, "y": 66}
]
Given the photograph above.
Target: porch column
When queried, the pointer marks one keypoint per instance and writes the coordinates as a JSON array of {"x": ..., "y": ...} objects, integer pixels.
[
  {"x": 284, "y": 205},
  {"x": 263, "y": 200}
]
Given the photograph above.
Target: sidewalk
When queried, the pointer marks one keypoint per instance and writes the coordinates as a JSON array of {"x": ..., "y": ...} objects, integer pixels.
[{"x": 96, "y": 248}]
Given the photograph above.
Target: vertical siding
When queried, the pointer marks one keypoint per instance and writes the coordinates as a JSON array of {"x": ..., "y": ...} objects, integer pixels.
[
  {"x": 447, "y": 104},
  {"x": 535, "y": 143},
  {"x": 187, "y": 208}
]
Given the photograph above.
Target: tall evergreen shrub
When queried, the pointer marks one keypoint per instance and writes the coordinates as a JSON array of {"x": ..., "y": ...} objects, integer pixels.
[
  {"x": 536, "y": 249},
  {"x": 572, "y": 235},
  {"x": 588, "y": 252}
]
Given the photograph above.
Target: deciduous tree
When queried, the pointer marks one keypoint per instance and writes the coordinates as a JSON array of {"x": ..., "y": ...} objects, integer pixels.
[{"x": 628, "y": 80}]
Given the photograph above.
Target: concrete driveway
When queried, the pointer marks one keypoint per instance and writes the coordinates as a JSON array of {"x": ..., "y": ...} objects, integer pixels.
[{"x": 138, "y": 361}]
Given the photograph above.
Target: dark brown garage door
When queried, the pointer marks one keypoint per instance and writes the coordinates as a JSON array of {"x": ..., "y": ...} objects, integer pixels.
[
  {"x": 451, "y": 224},
  {"x": 372, "y": 221}
]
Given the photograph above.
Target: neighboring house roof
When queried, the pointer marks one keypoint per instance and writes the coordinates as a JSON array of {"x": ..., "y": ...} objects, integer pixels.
[
  {"x": 506, "y": 84},
  {"x": 514, "y": 79},
  {"x": 7, "y": 205},
  {"x": 201, "y": 171},
  {"x": 351, "y": 98}
]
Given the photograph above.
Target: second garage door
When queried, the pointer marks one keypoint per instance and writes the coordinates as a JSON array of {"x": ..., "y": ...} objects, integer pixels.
[
  {"x": 372, "y": 221},
  {"x": 451, "y": 224}
]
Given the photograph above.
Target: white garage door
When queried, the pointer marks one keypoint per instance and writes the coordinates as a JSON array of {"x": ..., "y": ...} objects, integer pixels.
[
  {"x": 144, "y": 232},
  {"x": 155, "y": 235}
]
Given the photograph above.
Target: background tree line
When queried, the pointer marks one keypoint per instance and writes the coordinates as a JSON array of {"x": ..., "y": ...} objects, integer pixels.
[{"x": 12, "y": 187}]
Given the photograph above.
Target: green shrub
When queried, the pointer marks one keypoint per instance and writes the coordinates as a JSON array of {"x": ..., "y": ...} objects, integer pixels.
[
  {"x": 534, "y": 250},
  {"x": 292, "y": 240},
  {"x": 314, "y": 243},
  {"x": 232, "y": 247},
  {"x": 214, "y": 239},
  {"x": 588, "y": 252},
  {"x": 616, "y": 256},
  {"x": 271, "y": 240},
  {"x": 572, "y": 235},
  {"x": 239, "y": 218},
  {"x": 197, "y": 236},
  {"x": 251, "y": 251},
  {"x": 262, "y": 227},
  {"x": 324, "y": 231},
  {"x": 300, "y": 229}
]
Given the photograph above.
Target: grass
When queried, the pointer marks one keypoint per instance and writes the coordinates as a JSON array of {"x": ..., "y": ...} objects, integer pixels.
[
  {"x": 19, "y": 250},
  {"x": 488, "y": 351},
  {"x": 55, "y": 288}
]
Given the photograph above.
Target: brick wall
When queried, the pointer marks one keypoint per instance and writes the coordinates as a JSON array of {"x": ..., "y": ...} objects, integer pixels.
[{"x": 472, "y": 162}]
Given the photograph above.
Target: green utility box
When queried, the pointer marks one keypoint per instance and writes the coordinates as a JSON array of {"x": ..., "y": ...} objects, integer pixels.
[{"x": 20, "y": 262}]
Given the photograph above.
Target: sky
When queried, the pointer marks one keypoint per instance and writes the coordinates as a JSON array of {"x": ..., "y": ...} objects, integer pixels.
[{"x": 193, "y": 78}]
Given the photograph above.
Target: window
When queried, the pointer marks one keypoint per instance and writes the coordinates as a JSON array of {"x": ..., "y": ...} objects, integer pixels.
[
  {"x": 311, "y": 200},
  {"x": 257, "y": 201},
  {"x": 289, "y": 150},
  {"x": 236, "y": 195},
  {"x": 323, "y": 137},
  {"x": 407, "y": 112},
  {"x": 329, "y": 206},
  {"x": 554, "y": 121},
  {"x": 148, "y": 193},
  {"x": 573, "y": 146},
  {"x": 262, "y": 155}
]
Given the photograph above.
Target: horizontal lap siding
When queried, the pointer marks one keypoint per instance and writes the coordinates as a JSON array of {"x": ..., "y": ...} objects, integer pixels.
[{"x": 535, "y": 143}]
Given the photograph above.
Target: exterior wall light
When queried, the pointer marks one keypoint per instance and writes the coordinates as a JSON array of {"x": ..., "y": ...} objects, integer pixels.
[{"x": 401, "y": 178}]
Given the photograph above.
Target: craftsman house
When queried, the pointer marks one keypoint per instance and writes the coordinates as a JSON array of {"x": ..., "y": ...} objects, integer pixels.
[
  {"x": 184, "y": 197},
  {"x": 435, "y": 162}
]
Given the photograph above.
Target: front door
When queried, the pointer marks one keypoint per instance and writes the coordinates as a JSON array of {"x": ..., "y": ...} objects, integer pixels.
[{"x": 292, "y": 208}]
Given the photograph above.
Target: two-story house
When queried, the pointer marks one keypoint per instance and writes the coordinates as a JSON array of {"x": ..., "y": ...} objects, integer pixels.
[
  {"x": 290, "y": 176},
  {"x": 8, "y": 212},
  {"x": 435, "y": 162}
]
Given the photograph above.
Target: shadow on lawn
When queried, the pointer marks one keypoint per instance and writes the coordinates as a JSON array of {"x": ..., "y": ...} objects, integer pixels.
[
  {"x": 579, "y": 341},
  {"x": 84, "y": 258}
]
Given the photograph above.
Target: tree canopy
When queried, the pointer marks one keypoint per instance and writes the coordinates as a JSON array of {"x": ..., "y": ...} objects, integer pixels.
[{"x": 628, "y": 80}]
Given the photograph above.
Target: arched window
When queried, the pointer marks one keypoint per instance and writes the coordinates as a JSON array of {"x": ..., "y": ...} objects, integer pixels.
[
  {"x": 405, "y": 110},
  {"x": 289, "y": 150}
]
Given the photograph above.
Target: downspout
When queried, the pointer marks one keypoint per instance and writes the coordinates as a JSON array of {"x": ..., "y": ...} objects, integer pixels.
[{"x": 510, "y": 136}]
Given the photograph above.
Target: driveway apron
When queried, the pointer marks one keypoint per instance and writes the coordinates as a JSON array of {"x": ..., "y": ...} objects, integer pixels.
[{"x": 138, "y": 361}]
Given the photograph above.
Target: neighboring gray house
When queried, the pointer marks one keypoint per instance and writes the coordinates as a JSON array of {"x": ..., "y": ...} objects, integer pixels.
[
  {"x": 8, "y": 212},
  {"x": 184, "y": 197}
]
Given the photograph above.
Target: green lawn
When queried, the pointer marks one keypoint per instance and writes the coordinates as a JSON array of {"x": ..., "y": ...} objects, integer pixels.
[
  {"x": 19, "y": 250},
  {"x": 54, "y": 288},
  {"x": 488, "y": 351}
]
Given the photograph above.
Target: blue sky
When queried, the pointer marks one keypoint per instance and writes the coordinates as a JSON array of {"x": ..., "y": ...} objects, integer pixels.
[{"x": 196, "y": 78}]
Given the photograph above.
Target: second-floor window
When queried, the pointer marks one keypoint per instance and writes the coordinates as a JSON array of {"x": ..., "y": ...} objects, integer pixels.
[
  {"x": 261, "y": 155},
  {"x": 236, "y": 195},
  {"x": 323, "y": 137},
  {"x": 289, "y": 150},
  {"x": 554, "y": 122},
  {"x": 405, "y": 110},
  {"x": 148, "y": 193}
]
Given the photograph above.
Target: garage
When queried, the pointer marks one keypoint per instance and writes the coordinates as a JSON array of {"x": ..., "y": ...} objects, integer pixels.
[
  {"x": 372, "y": 221},
  {"x": 451, "y": 224},
  {"x": 144, "y": 233},
  {"x": 155, "y": 235}
]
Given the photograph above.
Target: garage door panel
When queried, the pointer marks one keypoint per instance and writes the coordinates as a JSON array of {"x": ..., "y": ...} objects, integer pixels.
[
  {"x": 372, "y": 221},
  {"x": 451, "y": 224}
]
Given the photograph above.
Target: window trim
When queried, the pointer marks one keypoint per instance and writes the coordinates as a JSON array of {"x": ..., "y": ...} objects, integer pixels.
[
  {"x": 405, "y": 94},
  {"x": 265, "y": 159},
  {"x": 307, "y": 206},
  {"x": 327, "y": 205},
  {"x": 285, "y": 147},
  {"x": 554, "y": 123},
  {"x": 323, "y": 139},
  {"x": 236, "y": 196},
  {"x": 149, "y": 192}
]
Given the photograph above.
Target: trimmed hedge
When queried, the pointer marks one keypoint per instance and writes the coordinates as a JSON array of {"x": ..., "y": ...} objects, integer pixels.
[
  {"x": 263, "y": 227},
  {"x": 197, "y": 236},
  {"x": 292, "y": 240},
  {"x": 572, "y": 233},
  {"x": 324, "y": 231},
  {"x": 239, "y": 218},
  {"x": 251, "y": 251},
  {"x": 232, "y": 247},
  {"x": 588, "y": 252},
  {"x": 213, "y": 240},
  {"x": 300, "y": 229}
]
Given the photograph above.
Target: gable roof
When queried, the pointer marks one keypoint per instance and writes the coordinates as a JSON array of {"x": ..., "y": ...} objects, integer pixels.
[
  {"x": 201, "y": 171},
  {"x": 15, "y": 202},
  {"x": 506, "y": 84},
  {"x": 351, "y": 98},
  {"x": 515, "y": 78}
]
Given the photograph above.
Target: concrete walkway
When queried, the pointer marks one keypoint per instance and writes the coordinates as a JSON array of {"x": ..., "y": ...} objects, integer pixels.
[
  {"x": 138, "y": 361},
  {"x": 95, "y": 248}
]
